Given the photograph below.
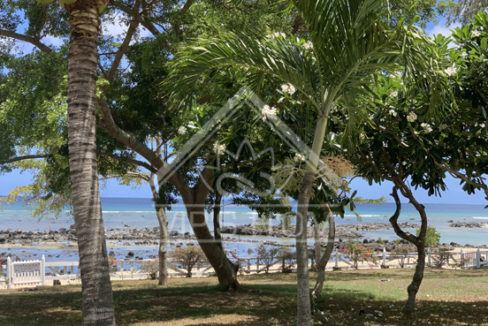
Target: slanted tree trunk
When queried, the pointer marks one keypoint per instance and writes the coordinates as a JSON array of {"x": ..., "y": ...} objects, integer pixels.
[
  {"x": 98, "y": 308},
  {"x": 226, "y": 270},
  {"x": 322, "y": 260},
  {"x": 419, "y": 241},
  {"x": 194, "y": 200}
]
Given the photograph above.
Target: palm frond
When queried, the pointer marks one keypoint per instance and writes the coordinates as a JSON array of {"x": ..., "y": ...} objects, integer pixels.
[{"x": 283, "y": 58}]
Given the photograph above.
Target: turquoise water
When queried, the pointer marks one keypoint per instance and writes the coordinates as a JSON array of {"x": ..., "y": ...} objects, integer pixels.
[{"x": 139, "y": 213}]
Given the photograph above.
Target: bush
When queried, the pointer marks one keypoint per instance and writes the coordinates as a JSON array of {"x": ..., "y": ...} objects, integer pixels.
[
  {"x": 288, "y": 260},
  {"x": 151, "y": 267},
  {"x": 267, "y": 257},
  {"x": 188, "y": 258},
  {"x": 356, "y": 252},
  {"x": 432, "y": 237}
]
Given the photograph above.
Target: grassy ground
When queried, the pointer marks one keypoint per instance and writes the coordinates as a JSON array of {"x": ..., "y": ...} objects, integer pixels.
[{"x": 373, "y": 297}]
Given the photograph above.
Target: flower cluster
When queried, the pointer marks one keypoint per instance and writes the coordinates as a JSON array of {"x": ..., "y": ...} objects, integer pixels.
[
  {"x": 288, "y": 89},
  {"x": 411, "y": 117},
  {"x": 268, "y": 111},
  {"x": 308, "y": 45}
]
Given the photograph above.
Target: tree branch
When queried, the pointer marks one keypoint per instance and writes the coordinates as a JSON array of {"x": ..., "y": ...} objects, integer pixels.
[
  {"x": 394, "y": 219},
  {"x": 131, "y": 161},
  {"x": 41, "y": 46},
  {"x": 465, "y": 178},
  {"x": 25, "y": 157},
  {"x": 125, "y": 44}
]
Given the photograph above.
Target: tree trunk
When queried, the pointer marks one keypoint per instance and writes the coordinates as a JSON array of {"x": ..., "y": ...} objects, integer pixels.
[
  {"x": 163, "y": 246},
  {"x": 216, "y": 220},
  {"x": 413, "y": 288},
  {"x": 163, "y": 235},
  {"x": 418, "y": 241},
  {"x": 304, "y": 307},
  {"x": 324, "y": 259},
  {"x": 97, "y": 301},
  {"x": 304, "y": 313},
  {"x": 226, "y": 270}
]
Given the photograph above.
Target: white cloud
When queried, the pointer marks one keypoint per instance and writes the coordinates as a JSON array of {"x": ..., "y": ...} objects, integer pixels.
[
  {"x": 443, "y": 29},
  {"x": 53, "y": 41}
]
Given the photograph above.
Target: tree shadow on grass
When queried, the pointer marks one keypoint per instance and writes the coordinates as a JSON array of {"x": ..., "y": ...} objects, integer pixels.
[
  {"x": 255, "y": 304},
  {"x": 349, "y": 307}
]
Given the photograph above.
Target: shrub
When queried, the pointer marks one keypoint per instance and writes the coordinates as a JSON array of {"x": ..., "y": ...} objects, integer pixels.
[
  {"x": 432, "y": 237},
  {"x": 356, "y": 252},
  {"x": 267, "y": 256},
  {"x": 151, "y": 267},
  {"x": 187, "y": 258},
  {"x": 288, "y": 260}
]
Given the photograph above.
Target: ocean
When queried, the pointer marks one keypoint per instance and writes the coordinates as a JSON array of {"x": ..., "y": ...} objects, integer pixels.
[{"x": 139, "y": 213}]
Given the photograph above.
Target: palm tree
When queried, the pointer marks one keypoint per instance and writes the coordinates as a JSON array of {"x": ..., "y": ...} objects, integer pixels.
[
  {"x": 349, "y": 41},
  {"x": 98, "y": 308}
]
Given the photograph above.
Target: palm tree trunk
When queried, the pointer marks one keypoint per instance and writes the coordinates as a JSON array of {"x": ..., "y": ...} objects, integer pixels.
[
  {"x": 163, "y": 246},
  {"x": 304, "y": 308},
  {"x": 324, "y": 259},
  {"x": 163, "y": 235},
  {"x": 98, "y": 308}
]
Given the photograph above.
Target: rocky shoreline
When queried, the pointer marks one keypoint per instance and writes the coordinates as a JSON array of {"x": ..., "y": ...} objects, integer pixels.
[
  {"x": 127, "y": 236},
  {"x": 344, "y": 231},
  {"x": 469, "y": 225}
]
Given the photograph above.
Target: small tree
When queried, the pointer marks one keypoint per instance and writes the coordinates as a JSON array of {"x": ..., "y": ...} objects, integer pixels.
[
  {"x": 356, "y": 252},
  {"x": 267, "y": 256},
  {"x": 188, "y": 258},
  {"x": 432, "y": 237}
]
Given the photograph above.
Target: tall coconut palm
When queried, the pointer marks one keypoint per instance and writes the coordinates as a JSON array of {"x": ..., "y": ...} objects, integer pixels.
[
  {"x": 349, "y": 41},
  {"x": 84, "y": 23}
]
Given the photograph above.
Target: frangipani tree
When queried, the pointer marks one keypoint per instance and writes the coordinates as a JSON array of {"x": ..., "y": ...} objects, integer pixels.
[
  {"x": 348, "y": 41},
  {"x": 403, "y": 141}
]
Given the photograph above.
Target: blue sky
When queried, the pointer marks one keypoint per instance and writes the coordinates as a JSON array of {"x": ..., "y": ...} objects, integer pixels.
[{"x": 453, "y": 195}]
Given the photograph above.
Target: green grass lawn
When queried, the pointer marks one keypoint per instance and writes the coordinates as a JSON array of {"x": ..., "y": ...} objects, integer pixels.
[{"x": 445, "y": 298}]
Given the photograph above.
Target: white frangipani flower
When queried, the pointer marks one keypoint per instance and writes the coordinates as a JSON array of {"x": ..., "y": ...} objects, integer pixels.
[
  {"x": 427, "y": 127},
  {"x": 392, "y": 113},
  {"x": 276, "y": 35},
  {"x": 482, "y": 125},
  {"x": 385, "y": 144},
  {"x": 288, "y": 89},
  {"x": 192, "y": 125},
  {"x": 475, "y": 33},
  {"x": 308, "y": 45},
  {"x": 411, "y": 117},
  {"x": 219, "y": 148},
  {"x": 393, "y": 94},
  {"x": 464, "y": 55},
  {"x": 451, "y": 71},
  {"x": 182, "y": 130},
  {"x": 268, "y": 111},
  {"x": 299, "y": 157},
  {"x": 404, "y": 163}
]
